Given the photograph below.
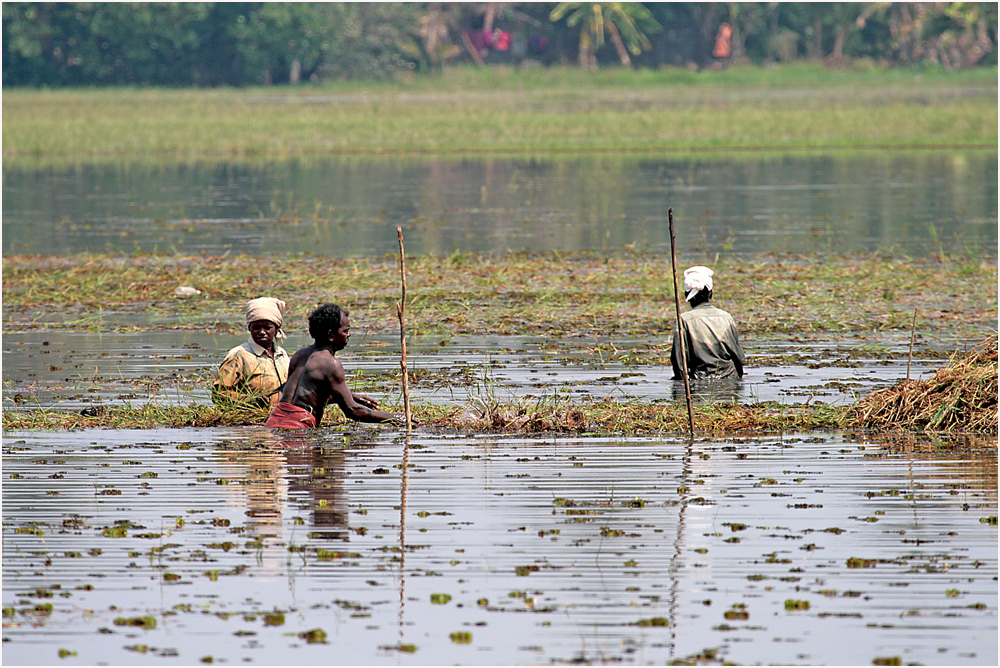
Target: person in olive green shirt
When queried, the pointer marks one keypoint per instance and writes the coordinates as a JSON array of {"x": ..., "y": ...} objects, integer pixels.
[
  {"x": 710, "y": 339},
  {"x": 255, "y": 372}
]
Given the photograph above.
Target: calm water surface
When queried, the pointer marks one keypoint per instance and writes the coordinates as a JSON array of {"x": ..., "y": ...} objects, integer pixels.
[
  {"x": 352, "y": 546},
  {"x": 911, "y": 202},
  {"x": 169, "y": 547}
]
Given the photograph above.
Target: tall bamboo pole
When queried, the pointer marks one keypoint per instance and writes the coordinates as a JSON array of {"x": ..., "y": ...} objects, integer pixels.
[
  {"x": 913, "y": 333},
  {"x": 401, "y": 312},
  {"x": 680, "y": 327}
]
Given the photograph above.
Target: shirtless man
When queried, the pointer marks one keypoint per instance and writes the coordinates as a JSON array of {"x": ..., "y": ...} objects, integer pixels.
[{"x": 316, "y": 377}]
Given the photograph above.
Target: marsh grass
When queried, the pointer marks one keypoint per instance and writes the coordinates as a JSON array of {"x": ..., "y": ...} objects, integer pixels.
[
  {"x": 483, "y": 413},
  {"x": 146, "y": 416},
  {"x": 633, "y": 417},
  {"x": 506, "y": 111},
  {"x": 572, "y": 295}
]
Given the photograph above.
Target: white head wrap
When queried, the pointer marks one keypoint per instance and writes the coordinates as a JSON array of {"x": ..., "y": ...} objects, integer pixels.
[
  {"x": 267, "y": 308},
  {"x": 697, "y": 279}
]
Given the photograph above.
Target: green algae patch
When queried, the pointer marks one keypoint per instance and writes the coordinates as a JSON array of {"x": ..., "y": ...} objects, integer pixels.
[
  {"x": 274, "y": 619},
  {"x": 613, "y": 293},
  {"x": 145, "y": 622},
  {"x": 653, "y": 621},
  {"x": 314, "y": 636}
]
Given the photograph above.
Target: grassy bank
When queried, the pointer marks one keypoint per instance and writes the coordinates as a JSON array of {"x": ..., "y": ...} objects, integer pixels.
[
  {"x": 553, "y": 294},
  {"x": 503, "y": 111}
]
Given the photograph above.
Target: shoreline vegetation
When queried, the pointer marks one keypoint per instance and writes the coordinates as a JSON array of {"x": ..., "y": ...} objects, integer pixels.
[
  {"x": 579, "y": 298},
  {"x": 505, "y": 110}
]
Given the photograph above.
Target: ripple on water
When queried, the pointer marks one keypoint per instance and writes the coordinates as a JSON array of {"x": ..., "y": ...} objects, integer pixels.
[{"x": 179, "y": 545}]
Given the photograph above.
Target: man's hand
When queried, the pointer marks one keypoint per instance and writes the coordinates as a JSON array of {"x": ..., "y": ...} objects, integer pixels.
[{"x": 400, "y": 419}]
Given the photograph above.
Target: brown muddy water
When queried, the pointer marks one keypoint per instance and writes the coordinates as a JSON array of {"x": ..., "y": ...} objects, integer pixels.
[{"x": 355, "y": 547}]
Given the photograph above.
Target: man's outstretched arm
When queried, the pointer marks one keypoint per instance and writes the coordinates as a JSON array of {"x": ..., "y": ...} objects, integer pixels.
[{"x": 361, "y": 409}]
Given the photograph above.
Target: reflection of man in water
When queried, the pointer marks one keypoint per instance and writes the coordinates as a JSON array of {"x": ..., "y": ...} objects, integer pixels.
[
  {"x": 319, "y": 471},
  {"x": 291, "y": 473},
  {"x": 710, "y": 338}
]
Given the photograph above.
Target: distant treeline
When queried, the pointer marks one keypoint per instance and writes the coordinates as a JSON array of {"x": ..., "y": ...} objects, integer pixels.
[{"x": 255, "y": 43}]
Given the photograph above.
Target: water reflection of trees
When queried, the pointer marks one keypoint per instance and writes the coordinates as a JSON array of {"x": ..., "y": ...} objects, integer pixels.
[{"x": 350, "y": 206}]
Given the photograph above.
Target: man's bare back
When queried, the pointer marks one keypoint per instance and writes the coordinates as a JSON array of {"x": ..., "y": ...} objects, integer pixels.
[{"x": 316, "y": 377}]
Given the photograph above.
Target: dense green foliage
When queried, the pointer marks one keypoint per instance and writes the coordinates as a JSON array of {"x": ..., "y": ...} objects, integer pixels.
[{"x": 255, "y": 43}]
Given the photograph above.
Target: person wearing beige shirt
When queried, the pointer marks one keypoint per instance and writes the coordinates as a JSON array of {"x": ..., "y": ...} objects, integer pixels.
[{"x": 255, "y": 372}]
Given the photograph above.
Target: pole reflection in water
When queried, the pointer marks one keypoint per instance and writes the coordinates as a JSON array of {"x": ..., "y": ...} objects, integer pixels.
[
  {"x": 675, "y": 561},
  {"x": 402, "y": 534}
]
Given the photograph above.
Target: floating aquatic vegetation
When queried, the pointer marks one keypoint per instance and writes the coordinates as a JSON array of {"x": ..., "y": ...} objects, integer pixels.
[
  {"x": 313, "y": 636},
  {"x": 145, "y": 622},
  {"x": 653, "y": 621}
]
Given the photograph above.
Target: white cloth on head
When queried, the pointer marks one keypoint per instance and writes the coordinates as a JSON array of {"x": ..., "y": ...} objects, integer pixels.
[
  {"x": 697, "y": 279},
  {"x": 267, "y": 308}
]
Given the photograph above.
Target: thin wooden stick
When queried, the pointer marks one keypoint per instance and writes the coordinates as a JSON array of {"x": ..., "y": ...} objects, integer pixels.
[
  {"x": 401, "y": 312},
  {"x": 913, "y": 331},
  {"x": 680, "y": 327}
]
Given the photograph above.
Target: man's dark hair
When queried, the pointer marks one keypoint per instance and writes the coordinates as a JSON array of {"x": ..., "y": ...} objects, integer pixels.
[
  {"x": 324, "y": 320},
  {"x": 702, "y": 296}
]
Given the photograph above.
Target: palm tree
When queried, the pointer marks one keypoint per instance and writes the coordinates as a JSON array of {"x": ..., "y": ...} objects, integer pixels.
[{"x": 623, "y": 22}]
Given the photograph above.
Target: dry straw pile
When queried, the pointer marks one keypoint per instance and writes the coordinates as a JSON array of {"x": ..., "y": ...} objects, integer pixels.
[{"x": 962, "y": 397}]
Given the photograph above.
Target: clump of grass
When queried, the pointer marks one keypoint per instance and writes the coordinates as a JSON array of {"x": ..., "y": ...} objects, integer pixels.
[
  {"x": 529, "y": 415},
  {"x": 960, "y": 397}
]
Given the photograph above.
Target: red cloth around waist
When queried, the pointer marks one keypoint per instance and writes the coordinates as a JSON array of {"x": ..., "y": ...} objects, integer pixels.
[{"x": 289, "y": 416}]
